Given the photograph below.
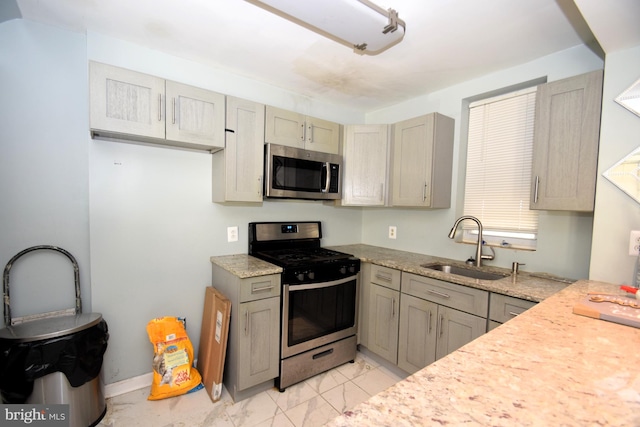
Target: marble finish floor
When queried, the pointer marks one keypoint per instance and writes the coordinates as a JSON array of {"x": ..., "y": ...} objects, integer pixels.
[{"x": 311, "y": 403}]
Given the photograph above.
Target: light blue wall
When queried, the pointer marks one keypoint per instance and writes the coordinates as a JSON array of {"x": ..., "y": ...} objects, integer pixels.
[
  {"x": 616, "y": 213},
  {"x": 564, "y": 239},
  {"x": 44, "y": 165}
]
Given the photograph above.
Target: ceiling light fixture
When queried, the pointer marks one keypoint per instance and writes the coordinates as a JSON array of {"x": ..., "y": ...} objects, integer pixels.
[{"x": 359, "y": 24}]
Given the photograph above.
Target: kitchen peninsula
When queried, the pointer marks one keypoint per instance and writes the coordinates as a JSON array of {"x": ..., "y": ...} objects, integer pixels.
[{"x": 546, "y": 367}]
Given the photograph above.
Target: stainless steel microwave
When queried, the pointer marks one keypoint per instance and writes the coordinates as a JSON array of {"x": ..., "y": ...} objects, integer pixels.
[{"x": 295, "y": 173}]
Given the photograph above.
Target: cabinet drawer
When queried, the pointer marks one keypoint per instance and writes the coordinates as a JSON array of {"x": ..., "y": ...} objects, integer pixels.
[
  {"x": 464, "y": 298},
  {"x": 387, "y": 277},
  {"x": 255, "y": 288},
  {"x": 504, "y": 308}
]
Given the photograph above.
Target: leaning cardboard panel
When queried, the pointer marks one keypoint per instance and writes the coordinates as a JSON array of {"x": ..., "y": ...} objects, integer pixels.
[{"x": 213, "y": 341}]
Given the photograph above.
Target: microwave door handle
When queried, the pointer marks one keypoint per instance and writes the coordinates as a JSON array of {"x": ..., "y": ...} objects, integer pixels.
[{"x": 327, "y": 181}]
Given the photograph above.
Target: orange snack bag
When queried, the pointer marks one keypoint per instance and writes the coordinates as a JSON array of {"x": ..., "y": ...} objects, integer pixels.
[{"x": 173, "y": 373}]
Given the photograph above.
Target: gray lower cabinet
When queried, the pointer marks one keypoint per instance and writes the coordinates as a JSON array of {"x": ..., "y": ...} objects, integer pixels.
[
  {"x": 432, "y": 321},
  {"x": 252, "y": 360},
  {"x": 417, "y": 335},
  {"x": 383, "y": 329},
  {"x": 384, "y": 312},
  {"x": 504, "y": 308},
  {"x": 257, "y": 345},
  {"x": 415, "y": 320}
]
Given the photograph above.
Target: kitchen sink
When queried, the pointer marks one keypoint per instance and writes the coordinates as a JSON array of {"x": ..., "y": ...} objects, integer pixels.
[{"x": 470, "y": 272}]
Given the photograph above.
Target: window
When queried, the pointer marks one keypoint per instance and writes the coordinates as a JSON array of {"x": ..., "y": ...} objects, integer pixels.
[{"x": 498, "y": 179}]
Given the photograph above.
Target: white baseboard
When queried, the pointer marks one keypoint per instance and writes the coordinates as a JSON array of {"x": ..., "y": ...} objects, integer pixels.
[{"x": 130, "y": 384}]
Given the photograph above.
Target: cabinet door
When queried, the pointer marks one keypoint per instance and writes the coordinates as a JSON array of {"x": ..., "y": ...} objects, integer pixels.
[
  {"x": 565, "y": 145},
  {"x": 365, "y": 154},
  {"x": 417, "y": 335},
  {"x": 258, "y": 341},
  {"x": 322, "y": 135},
  {"x": 422, "y": 162},
  {"x": 126, "y": 102},
  {"x": 238, "y": 169},
  {"x": 284, "y": 127},
  {"x": 194, "y": 116},
  {"x": 412, "y": 162},
  {"x": 383, "y": 322},
  {"x": 455, "y": 329}
]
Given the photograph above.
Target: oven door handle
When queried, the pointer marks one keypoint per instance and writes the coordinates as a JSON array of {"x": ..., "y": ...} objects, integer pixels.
[{"x": 320, "y": 285}]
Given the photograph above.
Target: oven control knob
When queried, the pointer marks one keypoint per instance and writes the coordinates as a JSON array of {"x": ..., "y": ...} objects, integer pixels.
[
  {"x": 311, "y": 275},
  {"x": 300, "y": 276},
  {"x": 343, "y": 270},
  {"x": 352, "y": 269}
]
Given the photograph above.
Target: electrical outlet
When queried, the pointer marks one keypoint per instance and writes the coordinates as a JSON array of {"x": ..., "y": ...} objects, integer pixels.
[
  {"x": 232, "y": 234},
  {"x": 634, "y": 242},
  {"x": 393, "y": 231}
]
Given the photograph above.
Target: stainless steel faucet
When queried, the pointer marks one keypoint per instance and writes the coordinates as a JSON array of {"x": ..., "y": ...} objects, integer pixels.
[{"x": 479, "y": 256}]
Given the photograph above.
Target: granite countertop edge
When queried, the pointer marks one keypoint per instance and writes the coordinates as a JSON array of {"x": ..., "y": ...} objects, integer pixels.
[{"x": 523, "y": 285}]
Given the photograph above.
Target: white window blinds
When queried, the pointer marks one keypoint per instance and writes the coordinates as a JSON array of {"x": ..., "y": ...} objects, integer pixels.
[{"x": 499, "y": 152}]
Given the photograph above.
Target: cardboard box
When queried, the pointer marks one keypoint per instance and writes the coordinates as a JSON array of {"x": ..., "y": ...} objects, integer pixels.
[{"x": 213, "y": 341}]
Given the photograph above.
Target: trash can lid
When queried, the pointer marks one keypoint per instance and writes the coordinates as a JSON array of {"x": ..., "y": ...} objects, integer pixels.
[{"x": 42, "y": 329}]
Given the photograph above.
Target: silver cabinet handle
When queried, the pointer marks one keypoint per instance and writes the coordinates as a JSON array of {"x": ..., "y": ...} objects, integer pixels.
[
  {"x": 511, "y": 313},
  {"x": 246, "y": 323},
  {"x": 310, "y": 135},
  {"x": 173, "y": 112},
  {"x": 393, "y": 307},
  {"x": 424, "y": 192},
  {"x": 535, "y": 191},
  {"x": 259, "y": 185},
  {"x": 383, "y": 278},
  {"x": 429, "y": 321},
  {"x": 262, "y": 289},
  {"x": 440, "y": 294},
  {"x": 381, "y": 191},
  {"x": 441, "y": 323},
  {"x": 159, "y": 107},
  {"x": 302, "y": 132}
]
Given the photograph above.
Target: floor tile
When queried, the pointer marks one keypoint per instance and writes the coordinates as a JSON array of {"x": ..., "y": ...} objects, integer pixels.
[
  {"x": 279, "y": 420},
  {"x": 252, "y": 411},
  {"x": 312, "y": 413},
  {"x": 357, "y": 368},
  {"x": 292, "y": 396},
  {"x": 375, "y": 380},
  {"x": 326, "y": 381},
  {"x": 345, "y": 396}
]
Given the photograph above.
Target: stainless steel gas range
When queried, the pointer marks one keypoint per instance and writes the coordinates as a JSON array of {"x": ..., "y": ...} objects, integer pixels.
[{"x": 319, "y": 299}]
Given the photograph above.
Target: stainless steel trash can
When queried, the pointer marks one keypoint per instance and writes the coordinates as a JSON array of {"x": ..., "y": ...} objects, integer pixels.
[
  {"x": 56, "y": 357},
  {"x": 86, "y": 402}
]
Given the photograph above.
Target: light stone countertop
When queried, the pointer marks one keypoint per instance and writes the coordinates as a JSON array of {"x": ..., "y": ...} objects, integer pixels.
[
  {"x": 546, "y": 367},
  {"x": 523, "y": 285},
  {"x": 245, "y": 266}
]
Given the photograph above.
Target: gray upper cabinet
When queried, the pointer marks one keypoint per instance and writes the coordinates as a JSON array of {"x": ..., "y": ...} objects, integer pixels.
[
  {"x": 238, "y": 169},
  {"x": 365, "y": 154},
  {"x": 565, "y": 149},
  {"x": 129, "y": 105},
  {"x": 422, "y": 157},
  {"x": 285, "y": 127}
]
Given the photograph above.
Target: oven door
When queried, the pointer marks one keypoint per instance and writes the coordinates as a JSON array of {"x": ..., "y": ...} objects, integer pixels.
[{"x": 316, "y": 314}]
